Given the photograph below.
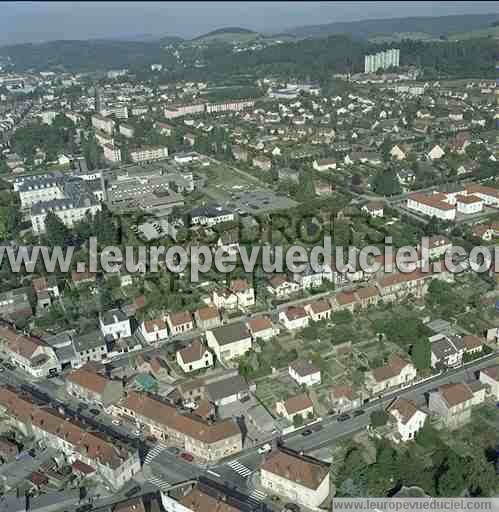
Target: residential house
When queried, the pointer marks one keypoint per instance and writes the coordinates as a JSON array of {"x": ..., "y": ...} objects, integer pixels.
[
  {"x": 194, "y": 356},
  {"x": 262, "y": 328},
  {"x": 294, "y": 406},
  {"x": 490, "y": 377},
  {"x": 396, "y": 373},
  {"x": 32, "y": 355},
  {"x": 294, "y": 318},
  {"x": 446, "y": 351},
  {"x": 154, "y": 330},
  {"x": 304, "y": 373},
  {"x": 325, "y": 164},
  {"x": 409, "y": 419},
  {"x": 207, "y": 317},
  {"x": 229, "y": 341},
  {"x": 90, "y": 346},
  {"x": 297, "y": 478},
  {"x": 343, "y": 399},
  {"x": 223, "y": 298},
  {"x": 319, "y": 310},
  {"x": 373, "y": 208},
  {"x": 180, "y": 322},
  {"x": 114, "y": 324},
  {"x": 473, "y": 345},
  {"x": 281, "y": 287},
  {"x": 367, "y": 296},
  {"x": 208, "y": 441},
  {"x": 435, "y": 153},
  {"x": 89, "y": 386},
  {"x": 116, "y": 463},
  {"x": 344, "y": 301},
  {"x": 244, "y": 292},
  {"x": 229, "y": 389},
  {"x": 452, "y": 402}
]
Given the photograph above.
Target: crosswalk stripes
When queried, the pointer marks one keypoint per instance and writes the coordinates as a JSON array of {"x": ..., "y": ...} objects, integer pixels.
[
  {"x": 159, "y": 482},
  {"x": 239, "y": 468},
  {"x": 154, "y": 452},
  {"x": 257, "y": 495}
]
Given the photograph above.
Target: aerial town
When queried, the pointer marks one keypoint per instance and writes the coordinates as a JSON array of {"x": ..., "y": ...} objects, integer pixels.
[{"x": 138, "y": 391}]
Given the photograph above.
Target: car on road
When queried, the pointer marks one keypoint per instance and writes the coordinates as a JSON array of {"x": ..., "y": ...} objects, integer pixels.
[
  {"x": 116, "y": 422},
  {"x": 94, "y": 412},
  {"x": 266, "y": 448},
  {"x": 317, "y": 428},
  {"x": 291, "y": 507},
  {"x": 344, "y": 417},
  {"x": 306, "y": 432},
  {"x": 2, "y": 369},
  {"x": 137, "y": 433},
  {"x": 359, "y": 412},
  {"x": 187, "y": 456}
]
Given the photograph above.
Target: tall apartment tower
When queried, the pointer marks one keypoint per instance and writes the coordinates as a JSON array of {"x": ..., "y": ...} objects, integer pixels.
[
  {"x": 98, "y": 100},
  {"x": 382, "y": 60}
]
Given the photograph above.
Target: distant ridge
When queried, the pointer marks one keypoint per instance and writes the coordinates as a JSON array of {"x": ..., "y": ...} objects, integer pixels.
[
  {"x": 223, "y": 32},
  {"x": 434, "y": 26}
]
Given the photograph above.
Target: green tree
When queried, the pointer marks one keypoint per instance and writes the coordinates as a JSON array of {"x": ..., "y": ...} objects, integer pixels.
[
  {"x": 421, "y": 354},
  {"x": 306, "y": 187},
  {"x": 481, "y": 478},
  {"x": 297, "y": 420},
  {"x": 378, "y": 418},
  {"x": 56, "y": 233}
]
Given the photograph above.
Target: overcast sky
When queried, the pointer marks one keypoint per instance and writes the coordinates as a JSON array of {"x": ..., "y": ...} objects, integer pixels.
[{"x": 44, "y": 21}]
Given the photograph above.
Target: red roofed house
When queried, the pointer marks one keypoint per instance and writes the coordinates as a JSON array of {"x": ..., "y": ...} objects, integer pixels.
[
  {"x": 89, "y": 386},
  {"x": 409, "y": 419},
  {"x": 452, "y": 402},
  {"x": 180, "y": 322},
  {"x": 31, "y": 354},
  {"x": 319, "y": 310},
  {"x": 296, "y": 405},
  {"x": 244, "y": 292},
  {"x": 343, "y": 399},
  {"x": 302, "y": 480},
  {"x": 194, "y": 356},
  {"x": 154, "y": 330},
  {"x": 294, "y": 318},
  {"x": 262, "y": 328},
  {"x": 397, "y": 372},
  {"x": 207, "y": 318}
]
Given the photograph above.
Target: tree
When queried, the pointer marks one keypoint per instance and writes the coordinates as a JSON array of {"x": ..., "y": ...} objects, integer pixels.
[
  {"x": 379, "y": 418},
  {"x": 452, "y": 480},
  {"x": 56, "y": 233},
  {"x": 386, "y": 183},
  {"x": 481, "y": 479},
  {"x": 297, "y": 420},
  {"x": 421, "y": 354},
  {"x": 91, "y": 152},
  {"x": 306, "y": 187}
]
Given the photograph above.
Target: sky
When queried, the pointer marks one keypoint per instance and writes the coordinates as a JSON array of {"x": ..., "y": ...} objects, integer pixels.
[{"x": 48, "y": 21}]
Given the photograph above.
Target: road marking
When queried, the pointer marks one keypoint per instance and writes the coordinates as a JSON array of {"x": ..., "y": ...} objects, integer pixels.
[
  {"x": 159, "y": 482},
  {"x": 213, "y": 473},
  {"x": 239, "y": 468},
  {"x": 257, "y": 495},
  {"x": 154, "y": 452}
]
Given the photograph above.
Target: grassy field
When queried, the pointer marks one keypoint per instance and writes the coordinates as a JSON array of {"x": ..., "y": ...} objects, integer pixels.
[{"x": 475, "y": 34}]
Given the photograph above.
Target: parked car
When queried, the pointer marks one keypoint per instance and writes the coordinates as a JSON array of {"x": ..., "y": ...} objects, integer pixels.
[
  {"x": 116, "y": 422},
  {"x": 292, "y": 507},
  {"x": 94, "y": 412},
  {"x": 317, "y": 428},
  {"x": 359, "y": 412},
  {"x": 306, "y": 432},
  {"x": 266, "y": 448},
  {"x": 344, "y": 417},
  {"x": 187, "y": 456}
]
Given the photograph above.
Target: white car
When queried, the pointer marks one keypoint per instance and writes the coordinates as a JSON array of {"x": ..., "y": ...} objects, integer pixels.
[
  {"x": 266, "y": 448},
  {"x": 116, "y": 422}
]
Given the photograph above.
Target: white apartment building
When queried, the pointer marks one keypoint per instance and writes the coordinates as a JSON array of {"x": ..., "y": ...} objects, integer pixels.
[
  {"x": 229, "y": 106},
  {"x": 112, "y": 153},
  {"x": 100, "y": 122},
  {"x": 39, "y": 188},
  {"x": 432, "y": 205},
  {"x": 173, "y": 111},
  {"x": 154, "y": 330},
  {"x": 149, "y": 153},
  {"x": 127, "y": 130},
  {"x": 382, "y": 60}
]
